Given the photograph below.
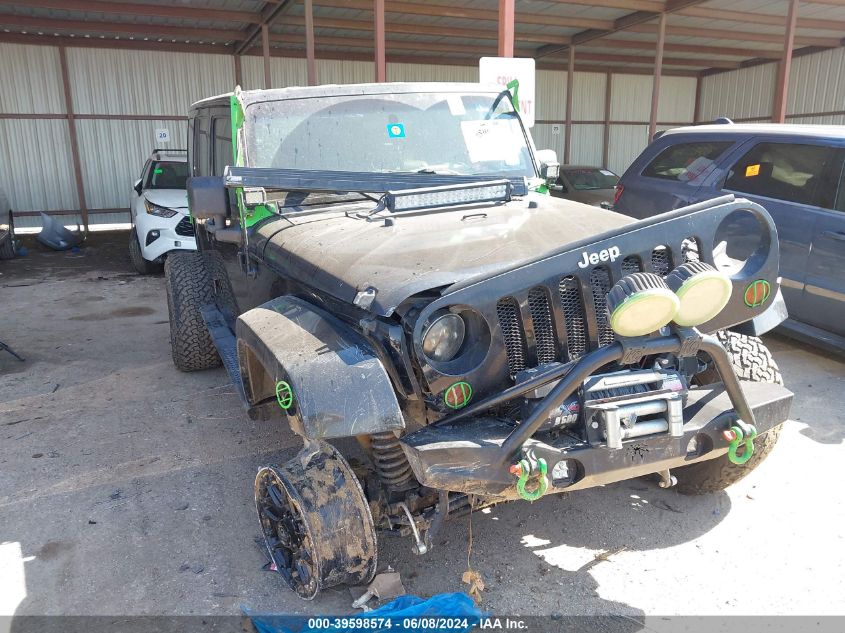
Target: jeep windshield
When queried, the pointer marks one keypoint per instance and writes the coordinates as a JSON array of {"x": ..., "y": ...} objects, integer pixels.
[{"x": 439, "y": 133}]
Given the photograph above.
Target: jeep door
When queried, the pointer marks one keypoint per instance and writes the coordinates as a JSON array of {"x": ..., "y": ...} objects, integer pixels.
[
  {"x": 791, "y": 179},
  {"x": 824, "y": 285}
]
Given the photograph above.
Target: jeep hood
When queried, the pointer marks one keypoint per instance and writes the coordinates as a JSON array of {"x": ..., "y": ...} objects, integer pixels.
[{"x": 397, "y": 256}]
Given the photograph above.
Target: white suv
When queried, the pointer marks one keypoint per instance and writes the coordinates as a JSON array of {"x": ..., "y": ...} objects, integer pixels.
[{"x": 159, "y": 207}]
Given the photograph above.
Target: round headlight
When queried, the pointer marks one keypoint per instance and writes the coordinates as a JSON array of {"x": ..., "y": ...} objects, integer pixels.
[
  {"x": 443, "y": 338},
  {"x": 704, "y": 292},
  {"x": 641, "y": 303}
]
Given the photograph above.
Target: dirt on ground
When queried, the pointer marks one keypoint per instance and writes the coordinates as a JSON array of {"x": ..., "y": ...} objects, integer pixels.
[{"x": 126, "y": 487}]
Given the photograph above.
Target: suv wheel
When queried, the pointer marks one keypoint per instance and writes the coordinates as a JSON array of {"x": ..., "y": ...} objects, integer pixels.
[
  {"x": 194, "y": 280},
  {"x": 751, "y": 360},
  {"x": 142, "y": 266}
]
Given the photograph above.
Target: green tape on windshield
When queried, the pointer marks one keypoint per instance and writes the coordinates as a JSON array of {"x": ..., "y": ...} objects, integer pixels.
[{"x": 513, "y": 86}]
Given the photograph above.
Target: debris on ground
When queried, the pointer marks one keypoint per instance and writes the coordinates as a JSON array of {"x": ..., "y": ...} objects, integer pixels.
[
  {"x": 471, "y": 577},
  {"x": 385, "y": 586}
]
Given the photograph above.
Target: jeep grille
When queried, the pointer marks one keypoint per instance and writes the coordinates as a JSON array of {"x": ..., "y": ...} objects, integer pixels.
[{"x": 563, "y": 321}]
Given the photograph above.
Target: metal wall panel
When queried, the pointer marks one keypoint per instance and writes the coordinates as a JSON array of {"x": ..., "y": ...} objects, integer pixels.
[
  {"x": 33, "y": 222},
  {"x": 332, "y": 71},
  {"x": 36, "y": 168},
  {"x": 817, "y": 83},
  {"x": 30, "y": 80},
  {"x": 625, "y": 144},
  {"x": 551, "y": 95},
  {"x": 284, "y": 72},
  {"x": 739, "y": 94},
  {"x": 677, "y": 100},
  {"x": 107, "y": 81},
  {"x": 544, "y": 139},
  {"x": 431, "y": 72},
  {"x": 588, "y": 97},
  {"x": 630, "y": 97},
  {"x": 587, "y": 144},
  {"x": 113, "y": 153}
]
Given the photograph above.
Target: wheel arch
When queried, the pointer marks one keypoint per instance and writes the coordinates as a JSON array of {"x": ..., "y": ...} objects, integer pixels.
[{"x": 339, "y": 386}]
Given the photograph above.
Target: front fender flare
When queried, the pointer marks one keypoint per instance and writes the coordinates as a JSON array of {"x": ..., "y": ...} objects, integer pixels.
[{"x": 340, "y": 387}]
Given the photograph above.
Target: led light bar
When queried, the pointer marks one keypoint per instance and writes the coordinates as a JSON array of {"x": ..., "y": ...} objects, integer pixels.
[
  {"x": 448, "y": 195},
  {"x": 641, "y": 303},
  {"x": 703, "y": 291}
]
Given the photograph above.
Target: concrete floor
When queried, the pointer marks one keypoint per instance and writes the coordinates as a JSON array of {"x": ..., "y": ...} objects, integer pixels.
[{"x": 126, "y": 486}]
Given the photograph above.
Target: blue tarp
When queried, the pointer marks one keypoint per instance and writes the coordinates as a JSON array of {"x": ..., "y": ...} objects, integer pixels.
[{"x": 445, "y": 612}]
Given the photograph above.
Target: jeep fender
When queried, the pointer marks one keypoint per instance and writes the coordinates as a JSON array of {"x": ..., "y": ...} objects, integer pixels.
[{"x": 340, "y": 387}]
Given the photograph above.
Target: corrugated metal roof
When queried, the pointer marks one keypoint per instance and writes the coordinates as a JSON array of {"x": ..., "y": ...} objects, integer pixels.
[{"x": 535, "y": 19}]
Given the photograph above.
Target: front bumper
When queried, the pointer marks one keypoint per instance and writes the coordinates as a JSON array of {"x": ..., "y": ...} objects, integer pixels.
[
  {"x": 462, "y": 457},
  {"x": 169, "y": 238},
  {"x": 472, "y": 452}
]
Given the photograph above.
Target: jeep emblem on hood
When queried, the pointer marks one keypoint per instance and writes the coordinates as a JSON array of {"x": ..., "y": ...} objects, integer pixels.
[{"x": 606, "y": 254}]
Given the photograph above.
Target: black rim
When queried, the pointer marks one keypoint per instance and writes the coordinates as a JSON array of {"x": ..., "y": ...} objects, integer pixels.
[{"x": 285, "y": 534}]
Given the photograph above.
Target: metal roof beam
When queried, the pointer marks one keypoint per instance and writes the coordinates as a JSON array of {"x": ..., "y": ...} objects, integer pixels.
[
  {"x": 761, "y": 18},
  {"x": 296, "y": 40},
  {"x": 452, "y": 60},
  {"x": 654, "y": 6},
  {"x": 421, "y": 29},
  {"x": 80, "y": 27},
  {"x": 138, "y": 9},
  {"x": 269, "y": 14},
  {"x": 643, "y": 45},
  {"x": 741, "y": 36},
  {"x": 620, "y": 24},
  {"x": 465, "y": 13}
]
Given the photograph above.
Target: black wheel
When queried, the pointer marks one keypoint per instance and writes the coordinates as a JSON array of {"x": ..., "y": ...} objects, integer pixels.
[
  {"x": 7, "y": 243},
  {"x": 315, "y": 521},
  {"x": 753, "y": 361},
  {"x": 194, "y": 280},
  {"x": 142, "y": 266}
]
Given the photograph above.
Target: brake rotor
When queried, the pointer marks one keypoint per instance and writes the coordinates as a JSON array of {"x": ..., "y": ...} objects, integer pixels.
[{"x": 316, "y": 521}]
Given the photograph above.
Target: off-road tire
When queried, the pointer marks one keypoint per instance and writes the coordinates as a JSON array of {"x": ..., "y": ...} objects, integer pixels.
[
  {"x": 194, "y": 280},
  {"x": 141, "y": 265},
  {"x": 753, "y": 361},
  {"x": 7, "y": 243}
]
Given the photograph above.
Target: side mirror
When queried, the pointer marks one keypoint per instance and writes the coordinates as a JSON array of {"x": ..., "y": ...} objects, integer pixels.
[
  {"x": 549, "y": 167},
  {"x": 207, "y": 197},
  {"x": 137, "y": 187}
]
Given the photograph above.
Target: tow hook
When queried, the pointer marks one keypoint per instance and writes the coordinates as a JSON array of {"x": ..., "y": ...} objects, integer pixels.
[
  {"x": 527, "y": 467},
  {"x": 736, "y": 435}
]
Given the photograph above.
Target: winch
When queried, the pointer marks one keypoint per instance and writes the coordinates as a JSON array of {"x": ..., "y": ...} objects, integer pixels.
[{"x": 621, "y": 405}]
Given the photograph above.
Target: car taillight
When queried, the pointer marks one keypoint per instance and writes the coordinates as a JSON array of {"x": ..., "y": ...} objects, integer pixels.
[{"x": 619, "y": 189}]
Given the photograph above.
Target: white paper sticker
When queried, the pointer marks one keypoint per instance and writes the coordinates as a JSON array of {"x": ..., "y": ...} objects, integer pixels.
[
  {"x": 491, "y": 140},
  {"x": 555, "y": 128},
  {"x": 162, "y": 135},
  {"x": 606, "y": 172}
]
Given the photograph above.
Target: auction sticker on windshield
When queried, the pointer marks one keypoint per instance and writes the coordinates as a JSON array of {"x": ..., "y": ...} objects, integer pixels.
[
  {"x": 395, "y": 130},
  {"x": 491, "y": 140}
]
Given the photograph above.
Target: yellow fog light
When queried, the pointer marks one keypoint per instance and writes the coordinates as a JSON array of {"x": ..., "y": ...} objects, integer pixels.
[
  {"x": 703, "y": 291},
  {"x": 641, "y": 303}
]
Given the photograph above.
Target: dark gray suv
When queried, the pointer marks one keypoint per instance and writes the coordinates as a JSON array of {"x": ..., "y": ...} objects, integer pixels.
[{"x": 794, "y": 171}]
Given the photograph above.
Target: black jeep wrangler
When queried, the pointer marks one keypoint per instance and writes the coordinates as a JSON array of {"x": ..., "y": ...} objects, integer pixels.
[{"x": 382, "y": 262}]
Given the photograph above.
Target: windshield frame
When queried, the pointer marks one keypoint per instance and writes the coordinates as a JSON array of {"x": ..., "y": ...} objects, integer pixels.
[{"x": 447, "y": 89}]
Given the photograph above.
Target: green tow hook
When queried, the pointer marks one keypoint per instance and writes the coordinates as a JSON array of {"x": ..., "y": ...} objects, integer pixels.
[
  {"x": 735, "y": 437},
  {"x": 524, "y": 469}
]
